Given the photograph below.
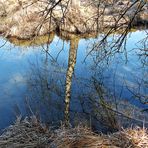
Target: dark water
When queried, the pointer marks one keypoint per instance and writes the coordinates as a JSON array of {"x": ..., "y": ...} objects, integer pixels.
[{"x": 105, "y": 86}]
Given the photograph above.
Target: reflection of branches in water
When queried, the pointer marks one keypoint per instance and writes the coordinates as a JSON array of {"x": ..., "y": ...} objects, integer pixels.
[
  {"x": 62, "y": 48},
  {"x": 3, "y": 44},
  {"x": 143, "y": 50},
  {"x": 118, "y": 41},
  {"x": 40, "y": 73},
  {"x": 46, "y": 50},
  {"x": 45, "y": 85},
  {"x": 139, "y": 91},
  {"x": 102, "y": 109},
  {"x": 45, "y": 91},
  {"x": 102, "y": 57},
  {"x": 106, "y": 110},
  {"x": 111, "y": 108}
]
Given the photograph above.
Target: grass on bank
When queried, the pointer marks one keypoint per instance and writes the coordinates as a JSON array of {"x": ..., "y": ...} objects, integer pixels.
[{"x": 30, "y": 133}]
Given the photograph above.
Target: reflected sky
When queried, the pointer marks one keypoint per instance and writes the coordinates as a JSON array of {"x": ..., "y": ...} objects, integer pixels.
[{"x": 40, "y": 72}]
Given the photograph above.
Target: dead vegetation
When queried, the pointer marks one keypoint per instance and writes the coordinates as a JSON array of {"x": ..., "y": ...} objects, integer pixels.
[
  {"x": 30, "y": 133},
  {"x": 25, "y": 19}
]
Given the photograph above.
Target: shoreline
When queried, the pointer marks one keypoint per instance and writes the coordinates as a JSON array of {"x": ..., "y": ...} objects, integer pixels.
[
  {"x": 29, "y": 132},
  {"x": 43, "y": 39},
  {"x": 26, "y": 20}
]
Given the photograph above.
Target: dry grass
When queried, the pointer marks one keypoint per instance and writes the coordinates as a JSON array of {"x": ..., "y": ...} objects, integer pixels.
[
  {"x": 82, "y": 137},
  {"x": 30, "y": 133},
  {"x": 27, "y": 18}
]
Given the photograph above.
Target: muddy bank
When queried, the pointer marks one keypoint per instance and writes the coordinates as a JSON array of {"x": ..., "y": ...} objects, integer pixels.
[
  {"x": 25, "y": 19},
  {"x": 31, "y": 133}
]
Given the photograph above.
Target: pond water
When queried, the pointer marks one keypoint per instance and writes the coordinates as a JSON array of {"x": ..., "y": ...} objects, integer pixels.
[{"x": 104, "y": 86}]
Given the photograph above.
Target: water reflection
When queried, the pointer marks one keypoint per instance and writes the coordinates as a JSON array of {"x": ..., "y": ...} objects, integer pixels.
[
  {"x": 70, "y": 70},
  {"x": 102, "y": 91}
]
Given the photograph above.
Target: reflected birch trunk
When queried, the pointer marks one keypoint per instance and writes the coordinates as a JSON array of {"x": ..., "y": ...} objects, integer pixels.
[{"x": 70, "y": 70}]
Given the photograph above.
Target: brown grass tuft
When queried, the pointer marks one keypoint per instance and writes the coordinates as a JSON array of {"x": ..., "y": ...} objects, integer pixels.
[{"x": 30, "y": 133}]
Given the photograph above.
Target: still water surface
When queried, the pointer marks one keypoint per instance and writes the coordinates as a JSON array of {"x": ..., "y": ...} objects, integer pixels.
[{"x": 38, "y": 78}]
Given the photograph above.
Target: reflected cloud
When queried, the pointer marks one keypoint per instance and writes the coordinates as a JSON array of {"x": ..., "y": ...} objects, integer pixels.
[{"x": 17, "y": 78}]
